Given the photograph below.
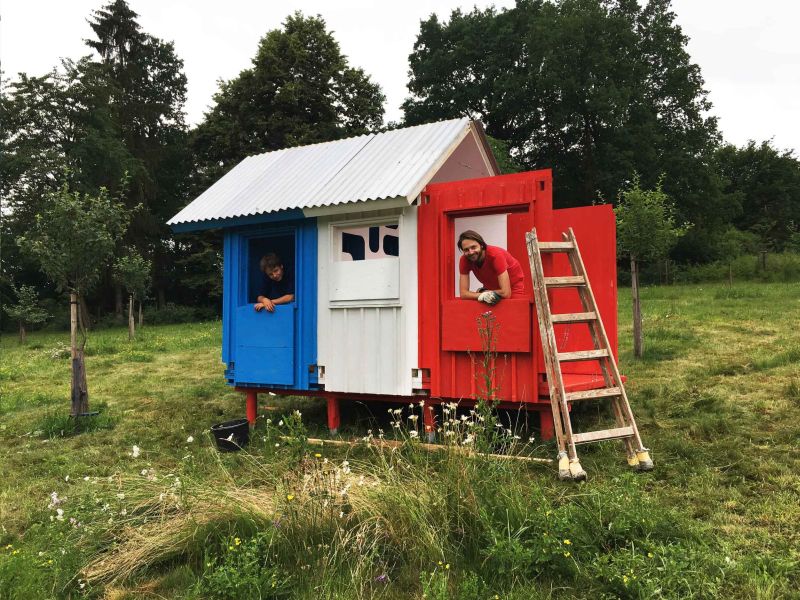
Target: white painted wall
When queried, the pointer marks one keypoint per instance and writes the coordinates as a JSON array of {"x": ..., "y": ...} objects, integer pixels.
[{"x": 368, "y": 310}]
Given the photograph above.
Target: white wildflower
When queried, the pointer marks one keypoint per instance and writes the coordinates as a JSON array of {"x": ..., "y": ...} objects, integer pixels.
[
  {"x": 66, "y": 478},
  {"x": 413, "y": 418},
  {"x": 54, "y": 500},
  {"x": 60, "y": 514},
  {"x": 121, "y": 496},
  {"x": 413, "y": 434},
  {"x": 189, "y": 439},
  {"x": 280, "y": 423},
  {"x": 136, "y": 451}
]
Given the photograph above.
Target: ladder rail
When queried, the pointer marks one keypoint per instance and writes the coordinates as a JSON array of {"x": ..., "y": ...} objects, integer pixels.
[
  {"x": 606, "y": 344},
  {"x": 547, "y": 333}
]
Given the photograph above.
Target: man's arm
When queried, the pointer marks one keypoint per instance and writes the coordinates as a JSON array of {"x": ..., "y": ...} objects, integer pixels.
[
  {"x": 505, "y": 285},
  {"x": 463, "y": 288}
]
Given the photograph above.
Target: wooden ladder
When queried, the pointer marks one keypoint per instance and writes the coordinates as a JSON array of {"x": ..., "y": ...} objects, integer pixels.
[{"x": 569, "y": 467}]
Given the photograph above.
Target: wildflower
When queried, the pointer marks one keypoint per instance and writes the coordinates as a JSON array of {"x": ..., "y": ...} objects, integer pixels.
[
  {"x": 317, "y": 455},
  {"x": 567, "y": 542},
  {"x": 277, "y": 445},
  {"x": 649, "y": 555},
  {"x": 280, "y": 423},
  {"x": 86, "y": 478},
  {"x": 123, "y": 512},
  {"x": 290, "y": 497},
  {"x": 381, "y": 578},
  {"x": 136, "y": 451},
  {"x": 398, "y": 411},
  {"x": 66, "y": 478},
  {"x": 121, "y": 496},
  {"x": 144, "y": 472},
  {"x": 269, "y": 421},
  {"x": 237, "y": 541},
  {"x": 54, "y": 500},
  {"x": 413, "y": 434},
  {"x": 189, "y": 439},
  {"x": 413, "y": 418},
  {"x": 421, "y": 403},
  {"x": 463, "y": 418},
  {"x": 625, "y": 579},
  {"x": 298, "y": 414},
  {"x": 447, "y": 566},
  {"x": 567, "y": 554},
  {"x": 60, "y": 514}
]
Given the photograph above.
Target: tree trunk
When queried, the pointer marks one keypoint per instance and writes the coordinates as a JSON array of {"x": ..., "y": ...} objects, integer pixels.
[
  {"x": 21, "y": 332},
  {"x": 638, "y": 336},
  {"x": 78, "y": 391},
  {"x": 162, "y": 300},
  {"x": 131, "y": 325},
  {"x": 730, "y": 274},
  {"x": 141, "y": 317},
  {"x": 118, "y": 300}
]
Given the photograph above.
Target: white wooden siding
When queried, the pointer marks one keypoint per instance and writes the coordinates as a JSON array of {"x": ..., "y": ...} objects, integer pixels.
[{"x": 368, "y": 345}]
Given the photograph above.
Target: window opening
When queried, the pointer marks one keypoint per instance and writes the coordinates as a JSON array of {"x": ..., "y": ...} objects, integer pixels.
[{"x": 368, "y": 242}]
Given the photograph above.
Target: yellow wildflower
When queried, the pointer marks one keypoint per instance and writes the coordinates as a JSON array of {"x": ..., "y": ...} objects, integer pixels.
[
  {"x": 567, "y": 542},
  {"x": 318, "y": 455},
  {"x": 237, "y": 541},
  {"x": 567, "y": 554},
  {"x": 290, "y": 497}
]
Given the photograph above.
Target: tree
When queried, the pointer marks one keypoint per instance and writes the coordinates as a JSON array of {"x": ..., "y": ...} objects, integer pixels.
[
  {"x": 146, "y": 96},
  {"x": 27, "y": 310},
  {"x": 299, "y": 90},
  {"x": 767, "y": 181},
  {"x": 133, "y": 273},
  {"x": 72, "y": 240},
  {"x": 646, "y": 231},
  {"x": 594, "y": 89}
]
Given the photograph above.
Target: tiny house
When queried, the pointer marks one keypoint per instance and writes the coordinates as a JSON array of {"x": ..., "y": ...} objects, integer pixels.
[{"x": 368, "y": 227}]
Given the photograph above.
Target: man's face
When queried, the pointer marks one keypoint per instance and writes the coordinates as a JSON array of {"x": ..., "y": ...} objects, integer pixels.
[
  {"x": 276, "y": 274},
  {"x": 472, "y": 250}
]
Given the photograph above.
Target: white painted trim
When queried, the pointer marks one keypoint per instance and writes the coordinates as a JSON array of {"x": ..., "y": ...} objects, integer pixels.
[{"x": 355, "y": 207}]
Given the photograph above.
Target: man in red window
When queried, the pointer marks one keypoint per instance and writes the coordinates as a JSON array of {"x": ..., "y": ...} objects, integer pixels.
[{"x": 498, "y": 271}]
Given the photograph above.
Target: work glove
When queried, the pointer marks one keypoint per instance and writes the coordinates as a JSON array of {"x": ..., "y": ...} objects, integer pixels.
[{"x": 489, "y": 297}]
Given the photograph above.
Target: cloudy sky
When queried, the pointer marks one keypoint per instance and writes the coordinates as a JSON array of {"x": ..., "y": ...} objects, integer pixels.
[{"x": 748, "y": 52}]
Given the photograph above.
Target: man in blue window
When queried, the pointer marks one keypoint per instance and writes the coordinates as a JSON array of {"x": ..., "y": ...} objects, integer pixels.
[{"x": 277, "y": 286}]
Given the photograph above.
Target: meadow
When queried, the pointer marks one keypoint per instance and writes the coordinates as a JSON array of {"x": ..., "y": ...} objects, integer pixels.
[{"x": 137, "y": 503}]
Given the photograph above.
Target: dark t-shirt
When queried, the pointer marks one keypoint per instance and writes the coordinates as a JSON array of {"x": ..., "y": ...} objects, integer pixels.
[{"x": 276, "y": 289}]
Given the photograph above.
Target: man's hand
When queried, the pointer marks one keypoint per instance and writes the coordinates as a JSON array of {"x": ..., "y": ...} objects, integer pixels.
[{"x": 489, "y": 297}]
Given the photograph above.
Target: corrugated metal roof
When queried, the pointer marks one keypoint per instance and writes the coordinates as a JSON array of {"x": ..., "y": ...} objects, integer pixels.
[{"x": 368, "y": 167}]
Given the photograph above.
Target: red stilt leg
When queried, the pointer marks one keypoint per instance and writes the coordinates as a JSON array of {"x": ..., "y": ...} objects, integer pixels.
[
  {"x": 334, "y": 419},
  {"x": 429, "y": 422},
  {"x": 252, "y": 406},
  {"x": 546, "y": 424}
]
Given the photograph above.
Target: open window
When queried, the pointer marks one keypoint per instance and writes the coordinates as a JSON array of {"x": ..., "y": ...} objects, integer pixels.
[
  {"x": 365, "y": 262},
  {"x": 494, "y": 230},
  {"x": 257, "y": 247}
]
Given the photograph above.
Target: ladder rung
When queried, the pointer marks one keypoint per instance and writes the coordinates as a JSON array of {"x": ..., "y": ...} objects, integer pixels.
[
  {"x": 591, "y": 394},
  {"x": 583, "y": 317},
  {"x": 555, "y": 246},
  {"x": 603, "y": 434},
  {"x": 582, "y": 355},
  {"x": 568, "y": 281}
]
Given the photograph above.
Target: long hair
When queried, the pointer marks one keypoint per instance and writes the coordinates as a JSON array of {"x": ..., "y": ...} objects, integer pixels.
[{"x": 471, "y": 235}]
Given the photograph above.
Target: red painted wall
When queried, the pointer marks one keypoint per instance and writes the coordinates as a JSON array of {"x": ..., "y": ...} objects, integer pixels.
[{"x": 449, "y": 343}]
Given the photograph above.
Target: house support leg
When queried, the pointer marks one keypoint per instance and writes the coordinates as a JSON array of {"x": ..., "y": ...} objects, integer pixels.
[
  {"x": 429, "y": 422},
  {"x": 546, "y": 423},
  {"x": 334, "y": 418},
  {"x": 252, "y": 406}
]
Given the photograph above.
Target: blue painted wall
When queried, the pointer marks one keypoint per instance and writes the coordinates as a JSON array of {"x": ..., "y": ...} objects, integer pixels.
[{"x": 261, "y": 348}]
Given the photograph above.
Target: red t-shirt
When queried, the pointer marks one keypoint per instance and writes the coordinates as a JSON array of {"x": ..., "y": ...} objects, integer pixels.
[{"x": 496, "y": 261}]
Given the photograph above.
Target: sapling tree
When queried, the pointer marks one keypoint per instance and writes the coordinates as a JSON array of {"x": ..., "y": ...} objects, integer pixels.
[
  {"x": 646, "y": 231},
  {"x": 133, "y": 273},
  {"x": 73, "y": 238},
  {"x": 27, "y": 310}
]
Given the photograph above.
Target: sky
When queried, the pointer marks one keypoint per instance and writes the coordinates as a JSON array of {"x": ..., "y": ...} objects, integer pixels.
[{"x": 748, "y": 52}]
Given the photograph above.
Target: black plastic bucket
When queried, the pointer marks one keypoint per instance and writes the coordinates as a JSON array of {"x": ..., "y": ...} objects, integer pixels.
[{"x": 231, "y": 435}]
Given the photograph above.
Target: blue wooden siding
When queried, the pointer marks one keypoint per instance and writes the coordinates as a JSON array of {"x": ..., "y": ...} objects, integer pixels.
[{"x": 270, "y": 349}]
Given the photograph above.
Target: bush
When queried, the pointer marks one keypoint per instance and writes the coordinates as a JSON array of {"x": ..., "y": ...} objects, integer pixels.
[
  {"x": 778, "y": 268},
  {"x": 177, "y": 313}
]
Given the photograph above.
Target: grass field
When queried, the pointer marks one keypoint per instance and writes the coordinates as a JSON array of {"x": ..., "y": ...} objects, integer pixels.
[{"x": 140, "y": 505}]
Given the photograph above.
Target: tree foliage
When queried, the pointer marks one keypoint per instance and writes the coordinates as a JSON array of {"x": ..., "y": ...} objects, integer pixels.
[
  {"x": 766, "y": 182},
  {"x": 133, "y": 273},
  {"x": 646, "y": 228},
  {"x": 27, "y": 309},
  {"x": 74, "y": 237},
  {"x": 594, "y": 89},
  {"x": 299, "y": 90}
]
